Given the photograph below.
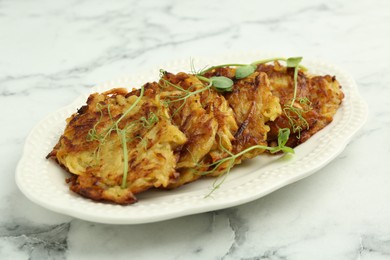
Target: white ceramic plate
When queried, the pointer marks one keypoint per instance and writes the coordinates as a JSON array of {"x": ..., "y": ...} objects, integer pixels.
[{"x": 43, "y": 181}]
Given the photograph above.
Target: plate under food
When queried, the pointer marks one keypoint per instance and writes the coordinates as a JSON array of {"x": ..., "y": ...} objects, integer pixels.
[{"x": 43, "y": 181}]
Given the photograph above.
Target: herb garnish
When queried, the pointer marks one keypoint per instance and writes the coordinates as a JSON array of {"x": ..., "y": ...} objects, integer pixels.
[
  {"x": 93, "y": 135},
  {"x": 283, "y": 135},
  {"x": 220, "y": 83},
  {"x": 244, "y": 70},
  {"x": 296, "y": 110}
]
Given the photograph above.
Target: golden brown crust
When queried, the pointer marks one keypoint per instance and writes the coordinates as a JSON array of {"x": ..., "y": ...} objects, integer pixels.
[
  {"x": 253, "y": 106},
  {"x": 194, "y": 118},
  {"x": 323, "y": 97},
  {"x": 91, "y": 147}
]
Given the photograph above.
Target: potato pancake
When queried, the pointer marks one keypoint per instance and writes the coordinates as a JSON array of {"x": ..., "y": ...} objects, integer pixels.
[
  {"x": 92, "y": 148},
  {"x": 318, "y": 98}
]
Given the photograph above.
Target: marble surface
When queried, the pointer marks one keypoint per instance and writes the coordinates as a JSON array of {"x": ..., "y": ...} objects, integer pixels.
[{"x": 52, "y": 51}]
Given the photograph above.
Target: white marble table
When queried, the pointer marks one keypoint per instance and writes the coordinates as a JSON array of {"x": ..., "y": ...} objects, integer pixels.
[{"x": 51, "y": 51}]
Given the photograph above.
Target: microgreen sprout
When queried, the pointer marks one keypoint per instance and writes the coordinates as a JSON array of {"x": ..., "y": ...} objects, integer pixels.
[
  {"x": 293, "y": 110},
  {"x": 244, "y": 70},
  {"x": 125, "y": 158},
  {"x": 220, "y": 83},
  {"x": 150, "y": 121},
  {"x": 283, "y": 136},
  {"x": 182, "y": 95},
  {"x": 221, "y": 66},
  {"x": 93, "y": 135}
]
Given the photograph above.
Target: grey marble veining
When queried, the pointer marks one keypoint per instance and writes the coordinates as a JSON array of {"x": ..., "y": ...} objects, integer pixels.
[
  {"x": 51, "y": 52},
  {"x": 37, "y": 241}
]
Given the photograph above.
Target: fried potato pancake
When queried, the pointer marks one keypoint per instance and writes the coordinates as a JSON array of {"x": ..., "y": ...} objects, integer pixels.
[
  {"x": 318, "y": 97},
  {"x": 92, "y": 149},
  {"x": 205, "y": 118},
  {"x": 254, "y": 105},
  {"x": 252, "y": 115}
]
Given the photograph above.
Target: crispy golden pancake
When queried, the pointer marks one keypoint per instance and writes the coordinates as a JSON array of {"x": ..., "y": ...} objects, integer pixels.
[
  {"x": 206, "y": 120},
  {"x": 318, "y": 98},
  {"x": 91, "y": 147},
  {"x": 253, "y": 105}
]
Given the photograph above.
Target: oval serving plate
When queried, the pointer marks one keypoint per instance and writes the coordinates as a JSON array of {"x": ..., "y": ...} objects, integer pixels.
[{"x": 43, "y": 181}]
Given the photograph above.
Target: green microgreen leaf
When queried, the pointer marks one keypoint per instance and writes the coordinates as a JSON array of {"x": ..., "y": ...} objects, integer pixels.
[
  {"x": 150, "y": 121},
  {"x": 283, "y": 135},
  {"x": 122, "y": 134},
  {"x": 245, "y": 71},
  {"x": 162, "y": 72},
  {"x": 293, "y": 62},
  {"x": 204, "y": 71},
  {"x": 222, "y": 84}
]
